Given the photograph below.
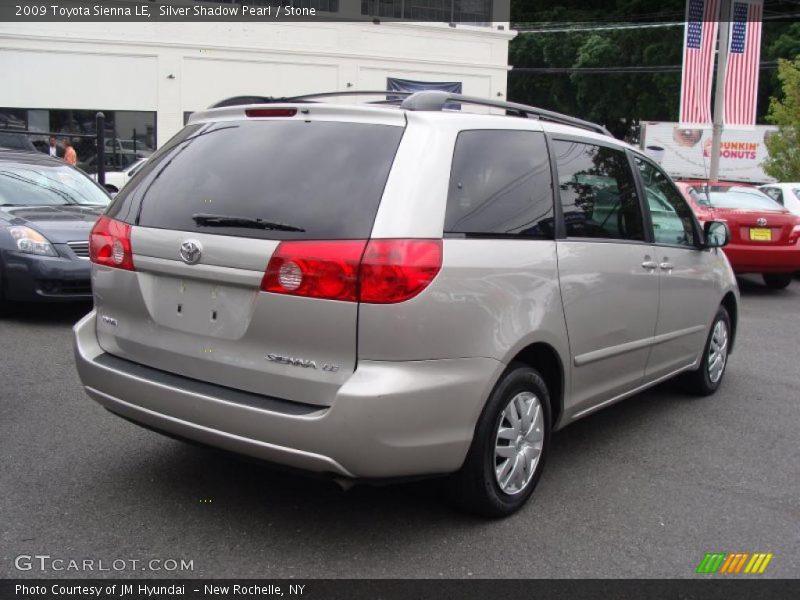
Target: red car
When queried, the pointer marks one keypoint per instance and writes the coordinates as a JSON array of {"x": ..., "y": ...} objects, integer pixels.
[{"x": 764, "y": 235}]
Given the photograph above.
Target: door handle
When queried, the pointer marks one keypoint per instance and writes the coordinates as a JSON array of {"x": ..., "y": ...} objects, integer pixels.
[
  {"x": 649, "y": 264},
  {"x": 666, "y": 266}
]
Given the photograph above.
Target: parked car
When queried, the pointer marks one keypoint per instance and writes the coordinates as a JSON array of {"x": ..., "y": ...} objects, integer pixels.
[
  {"x": 116, "y": 178},
  {"x": 764, "y": 234},
  {"x": 293, "y": 282},
  {"x": 785, "y": 194},
  {"x": 125, "y": 146},
  {"x": 113, "y": 162},
  {"x": 47, "y": 209},
  {"x": 16, "y": 141}
]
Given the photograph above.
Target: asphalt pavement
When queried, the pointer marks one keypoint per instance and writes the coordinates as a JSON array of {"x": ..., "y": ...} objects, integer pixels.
[{"x": 642, "y": 489}]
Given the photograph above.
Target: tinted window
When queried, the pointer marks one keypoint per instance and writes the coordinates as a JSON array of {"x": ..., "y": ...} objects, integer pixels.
[
  {"x": 500, "y": 185},
  {"x": 37, "y": 185},
  {"x": 597, "y": 191},
  {"x": 323, "y": 178},
  {"x": 672, "y": 218}
]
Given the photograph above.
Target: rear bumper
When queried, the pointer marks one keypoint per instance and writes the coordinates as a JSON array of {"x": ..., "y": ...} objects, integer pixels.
[
  {"x": 30, "y": 278},
  {"x": 763, "y": 259},
  {"x": 390, "y": 419}
]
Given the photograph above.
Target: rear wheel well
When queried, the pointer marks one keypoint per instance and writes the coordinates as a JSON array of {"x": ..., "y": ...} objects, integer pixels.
[
  {"x": 729, "y": 302},
  {"x": 545, "y": 359}
]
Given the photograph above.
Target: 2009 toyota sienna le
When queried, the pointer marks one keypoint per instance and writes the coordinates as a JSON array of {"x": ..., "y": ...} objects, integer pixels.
[{"x": 374, "y": 291}]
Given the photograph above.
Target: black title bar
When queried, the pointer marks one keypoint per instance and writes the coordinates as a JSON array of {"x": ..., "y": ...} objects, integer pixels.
[{"x": 705, "y": 588}]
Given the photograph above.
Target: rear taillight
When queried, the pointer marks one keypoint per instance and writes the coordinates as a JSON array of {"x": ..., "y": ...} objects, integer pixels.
[
  {"x": 315, "y": 269},
  {"x": 795, "y": 235},
  {"x": 397, "y": 270},
  {"x": 375, "y": 272},
  {"x": 110, "y": 244}
]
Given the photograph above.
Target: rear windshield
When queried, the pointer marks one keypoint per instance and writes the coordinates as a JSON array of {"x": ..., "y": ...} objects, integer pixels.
[
  {"x": 741, "y": 199},
  {"x": 274, "y": 179}
]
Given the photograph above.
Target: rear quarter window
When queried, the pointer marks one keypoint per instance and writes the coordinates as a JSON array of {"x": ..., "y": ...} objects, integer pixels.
[
  {"x": 324, "y": 178},
  {"x": 500, "y": 185}
]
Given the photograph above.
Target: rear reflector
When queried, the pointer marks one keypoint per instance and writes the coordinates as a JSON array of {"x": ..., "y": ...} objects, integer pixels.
[
  {"x": 270, "y": 112},
  {"x": 110, "y": 244},
  {"x": 375, "y": 272}
]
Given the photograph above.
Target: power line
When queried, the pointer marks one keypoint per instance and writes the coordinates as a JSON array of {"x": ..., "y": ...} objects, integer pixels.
[
  {"x": 585, "y": 26},
  {"x": 610, "y": 27},
  {"x": 615, "y": 70}
]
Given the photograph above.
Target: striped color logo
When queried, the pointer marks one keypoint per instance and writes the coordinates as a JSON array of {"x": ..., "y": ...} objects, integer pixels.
[{"x": 734, "y": 563}]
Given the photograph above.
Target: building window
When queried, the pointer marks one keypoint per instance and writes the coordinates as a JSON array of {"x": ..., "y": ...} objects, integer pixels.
[
  {"x": 474, "y": 12},
  {"x": 330, "y": 6},
  {"x": 12, "y": 118}
]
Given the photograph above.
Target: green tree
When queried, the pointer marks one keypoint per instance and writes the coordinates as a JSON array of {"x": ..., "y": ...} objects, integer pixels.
[
  {"x": 784, "y": 153},
  {"x": 619, "y": 100}
]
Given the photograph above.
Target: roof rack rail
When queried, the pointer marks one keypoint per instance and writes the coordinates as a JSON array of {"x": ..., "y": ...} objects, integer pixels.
[
  {"x": 242, "y": 100},
  {"x": 431, "y": 100},
  {"x": 437, "y": 100},
  {"x": 350, "y": 93}
]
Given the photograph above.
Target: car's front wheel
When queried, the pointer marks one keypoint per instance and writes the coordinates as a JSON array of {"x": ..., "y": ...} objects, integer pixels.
[
  {"x": 507, "y": 455},
  {"x": 777, "y": 281},
  {"x": 707, "y": 378}
]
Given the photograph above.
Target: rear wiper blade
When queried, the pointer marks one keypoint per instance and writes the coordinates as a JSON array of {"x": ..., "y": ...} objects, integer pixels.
[{"x": 246, "y": 222}]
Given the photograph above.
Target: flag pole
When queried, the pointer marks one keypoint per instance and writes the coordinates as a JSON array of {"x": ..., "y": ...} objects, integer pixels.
[{"x": 719, "y": 95}]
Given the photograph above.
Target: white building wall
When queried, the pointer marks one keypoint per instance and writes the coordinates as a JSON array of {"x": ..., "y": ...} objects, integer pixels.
[{"x": 172, "y": 68}]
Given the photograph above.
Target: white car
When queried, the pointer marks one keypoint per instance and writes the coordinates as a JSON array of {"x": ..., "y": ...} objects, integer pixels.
[
  {"x": 116, "y": 179},
  {"x": 785, "y": 194},
  {"x": 121, "y": 146}
]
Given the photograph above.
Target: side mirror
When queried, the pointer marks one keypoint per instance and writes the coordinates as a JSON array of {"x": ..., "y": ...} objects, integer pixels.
[{"x": 716, "y": 234}]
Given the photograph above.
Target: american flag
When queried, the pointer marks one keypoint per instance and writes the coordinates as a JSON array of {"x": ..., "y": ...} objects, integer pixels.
[
  {"x": 744, "y": 53},
  {"x": 700, "y": 41}
]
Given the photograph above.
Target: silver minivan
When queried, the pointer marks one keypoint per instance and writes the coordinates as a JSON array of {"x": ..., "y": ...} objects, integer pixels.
[{"x": 380, "y": 291}]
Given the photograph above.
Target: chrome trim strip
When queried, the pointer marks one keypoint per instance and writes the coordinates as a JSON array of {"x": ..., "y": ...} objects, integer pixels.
[
  {"x": 231, "y": 276},
  {"x": 80, "y": 249}
]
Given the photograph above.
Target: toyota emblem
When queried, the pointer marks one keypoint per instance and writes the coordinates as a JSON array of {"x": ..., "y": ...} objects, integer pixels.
[
  {"x": 761, "y": 221},
  {"x": 191, "y": 251}
]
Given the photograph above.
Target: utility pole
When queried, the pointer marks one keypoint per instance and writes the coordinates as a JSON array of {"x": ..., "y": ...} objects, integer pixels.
[{"x": 719, "y": 95}]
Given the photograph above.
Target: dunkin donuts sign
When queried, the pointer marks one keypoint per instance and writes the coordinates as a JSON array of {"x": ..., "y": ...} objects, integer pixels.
[
  {"x": 686, "y": 153},
  {"x": 734, "y": 150}
]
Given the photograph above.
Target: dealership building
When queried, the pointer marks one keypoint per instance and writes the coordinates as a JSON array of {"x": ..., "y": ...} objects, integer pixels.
[{"x": 148, "y": 77}]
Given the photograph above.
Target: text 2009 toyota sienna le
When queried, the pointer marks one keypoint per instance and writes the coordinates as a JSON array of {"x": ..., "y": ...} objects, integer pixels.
[{"x": 377, "y": 292}]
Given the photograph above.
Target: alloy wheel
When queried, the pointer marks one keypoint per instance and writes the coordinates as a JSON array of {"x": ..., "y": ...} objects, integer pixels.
[
  {"x": 718, "y": 351},
  {"x": 519, "y": 442}
]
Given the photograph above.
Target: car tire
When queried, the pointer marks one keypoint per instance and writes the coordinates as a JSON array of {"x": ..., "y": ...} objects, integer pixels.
[
  {"x": 477, "y": 487},
  {"x": 705, "y": 380},
  {"x": 777, "y": 281}
]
